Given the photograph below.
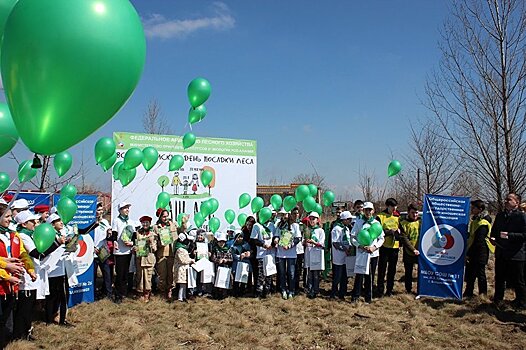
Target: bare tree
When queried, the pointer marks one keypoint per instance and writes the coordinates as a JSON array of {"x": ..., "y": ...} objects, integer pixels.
[
  {"x": 307, "y": 179},
  {"x": 153, "y": 120},
  {"x": 478, "y": 92},
  {"x": 431, "y": 166},
  {"x": 368, "y": 185}
]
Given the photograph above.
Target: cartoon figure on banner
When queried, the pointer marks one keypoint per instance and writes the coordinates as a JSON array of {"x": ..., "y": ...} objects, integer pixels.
[
  {"x": 185, "y": 185},
  {"x": 176, "y": 181},
  {"x": 195, "y": 183}
]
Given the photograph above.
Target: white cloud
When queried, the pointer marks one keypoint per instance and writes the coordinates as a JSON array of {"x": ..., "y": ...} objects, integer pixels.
[{"x": 157, "y": 26}]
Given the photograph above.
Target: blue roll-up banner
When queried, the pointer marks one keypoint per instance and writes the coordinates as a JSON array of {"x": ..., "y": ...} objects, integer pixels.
[
  {"x": 84, "y": 291},
  {"x": 442, "y": 245},
  {"x": 33, "y": 198}
]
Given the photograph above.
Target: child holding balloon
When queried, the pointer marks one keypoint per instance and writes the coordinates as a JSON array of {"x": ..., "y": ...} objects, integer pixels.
[{"x": 368, "y": 236}]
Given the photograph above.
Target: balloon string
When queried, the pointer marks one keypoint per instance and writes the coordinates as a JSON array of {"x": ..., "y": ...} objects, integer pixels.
[{"x": 12, "y": 200}]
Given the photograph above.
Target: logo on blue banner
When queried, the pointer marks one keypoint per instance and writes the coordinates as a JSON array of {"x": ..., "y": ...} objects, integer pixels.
[
  {"x": 84, "y": 291},
  {"x": 442, "y": 246}
]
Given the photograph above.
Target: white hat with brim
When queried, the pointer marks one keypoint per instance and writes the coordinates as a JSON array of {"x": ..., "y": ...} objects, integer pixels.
[
  {"x": 53, "y": 217},
  {"x": 314, "y": 214},
  {"x": 20, "y": 204},
  {"x": 368, "y": 205},
  {"x": 124, "y": 205},
  {"x": 221, "y": 236},
  {"x": 345, "y": 215},
  {"x": 25, "y": 216}
]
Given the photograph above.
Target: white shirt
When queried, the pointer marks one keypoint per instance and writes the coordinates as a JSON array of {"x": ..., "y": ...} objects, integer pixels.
[
  {"x": 291, "y": 252},
  {"x": 342, "y": 236},
  {"x": 118, "y": 226},
  {"x": 377, "y": 243},
  {"x": 99, "y": 234},
  {"x": 317, "y": 235},
  {"x": 27, "y": 283},
  {"x": 259, "y": 233}
]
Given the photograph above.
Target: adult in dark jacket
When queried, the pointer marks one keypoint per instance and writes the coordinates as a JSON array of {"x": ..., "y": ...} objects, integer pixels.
[
  {"x": 509, "y": 235},
  {"x": 478, "y": 251}
]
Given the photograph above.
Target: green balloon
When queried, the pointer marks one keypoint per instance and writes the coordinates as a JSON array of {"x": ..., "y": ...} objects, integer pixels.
[
  {"x": 62, "y": 163},
  {"x": 126, "y": 176},
  {"x": 206, "y": 177},
  {"x": 214, "y": 205},
  {"x": 5, "y": 9},
  {"x": 198, "y": 91},
  {"x": 196, "y": 114},
  {"x": 318, "y": 208},
  {"x": 116, "y": 169},
  {"x": 163, "y": 181},
  {"x": 364, "y": 238},
  {"x": 375, "y": 230},
  {"x": 66, "y": 208},
  {"x": 176, "y": 163},
  {"x": 205, "y": 208},
  {"x": 214, "y": 224},
  {"x": 64, "y": 75},
  {"x": 5, "y": 181},
  {"x": 163, "y": 199},
  {"x": 241, "y": 219},
  {"x": 25, "y": 172},
  {"x": 104, "y": 149},
  {"x": 257, "y": 204},
  {"x": 8, "y": 133},
  {"x": 289, "y": 203},
  {"x": 328, "y": 198},
  {"x": 132, "y": 158},
  {"x": 68, "y": 191},
  {"x": 313, "y": 190},
  {"x": 150, "y": 156},
  {"x": 230, "y": 216},
  {"x": 188, "y": 140},
  {"x": 302, "y": 191},
  {"x": 108, "y": 163},
  {"x": 244, "y": 199},
  {"x": 394, "y": 168},
  {"x": 264, "y": 215},
  {"x": 44, "y": 236},
  {"x": 276, "y": 201},
  {"x": 309, "y": 204},
  {"x": 199, "y": 219}
]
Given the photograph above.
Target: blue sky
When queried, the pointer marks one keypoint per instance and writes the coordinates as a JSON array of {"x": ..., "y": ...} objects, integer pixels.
[{"x": 333, "y": 82}]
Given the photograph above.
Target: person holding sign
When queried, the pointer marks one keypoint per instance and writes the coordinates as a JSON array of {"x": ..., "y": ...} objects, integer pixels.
[
  {"x": 145, "y": 246},
  {"x": 509, "y": 236},
  {"x": 182, "y": 264},
  {"x": 341, "y": 248},
  {"x": 366, "y": 253},
  {"x": 222, "y": 257},
  {"x": 288, "y": 235},
  {"x": 314, "y": 241},
  {"x": 122, "y": 229},
  {"x": 409, "y": 236},
  {"x": 166, "y": 231}
]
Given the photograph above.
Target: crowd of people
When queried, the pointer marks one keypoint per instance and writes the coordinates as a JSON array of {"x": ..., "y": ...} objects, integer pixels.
[{"x": 288, "y": 255}]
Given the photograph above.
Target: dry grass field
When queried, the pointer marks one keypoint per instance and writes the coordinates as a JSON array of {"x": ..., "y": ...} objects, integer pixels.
[{"x": 398, "y": 322}]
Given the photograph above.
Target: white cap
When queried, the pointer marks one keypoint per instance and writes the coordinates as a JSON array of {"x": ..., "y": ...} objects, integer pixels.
[
  {"x": 368, "y": 205},
  {"x": 314, "y": 214},
  {"x": 345, "y": 215},
  {"x": 52, "y": 217},
  {"x": 124, "y": 204},
  {"x": 283, "y": 211},
  {"x": 25, "y": 216},
  {"x": 238, "y": 231},
  {"x": 221, "y": 236},
  {"x": 2, "y": 201},
  {"x": 53, "y": 210},
  {"x": 20, "y": 204},
  {"x": 231, "y": 228}
]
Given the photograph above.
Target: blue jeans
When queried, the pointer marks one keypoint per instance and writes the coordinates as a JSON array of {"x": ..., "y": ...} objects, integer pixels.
[
  {"x": 107, "y": 276},
  {"x": 339, "y": 281},
  {"x": 288, "y": 265}
]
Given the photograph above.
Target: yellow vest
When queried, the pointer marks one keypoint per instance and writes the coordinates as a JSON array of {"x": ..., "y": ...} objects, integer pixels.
[
  {"x": 412, "y": 231},
  {"x": 389, "y": 222},
  {"x": 473, "y": 227}
]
